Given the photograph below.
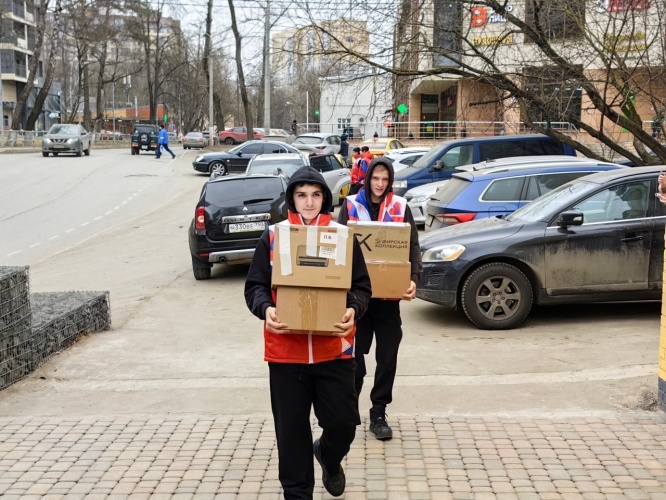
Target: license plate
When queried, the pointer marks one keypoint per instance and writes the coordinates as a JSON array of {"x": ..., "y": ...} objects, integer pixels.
[
  {"x": 59, "y": 146},
  {"x": 246, "y": 226}
]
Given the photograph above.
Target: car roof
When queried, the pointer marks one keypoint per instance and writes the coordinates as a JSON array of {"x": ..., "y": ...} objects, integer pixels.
[
  {"x": 278, "y": 156},
  {"x": 520, "y": 160},
  {"x": 241, "y": 177},
  {"x": 509, "y": 138},
  {"x": 321, "y": 135},
  {"x": 624, "y": 173},
  {"x": 534, "y": 169}
]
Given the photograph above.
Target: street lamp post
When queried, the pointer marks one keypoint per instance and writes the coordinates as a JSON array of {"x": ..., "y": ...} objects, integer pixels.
[
  {"x": 113, "y": 108},
  {"x": 210, "y": 99},
  {"x": 2, "y": 111}
]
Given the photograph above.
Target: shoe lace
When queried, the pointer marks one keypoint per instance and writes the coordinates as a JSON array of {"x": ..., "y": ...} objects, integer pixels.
[{"x": 378, "y": 415}]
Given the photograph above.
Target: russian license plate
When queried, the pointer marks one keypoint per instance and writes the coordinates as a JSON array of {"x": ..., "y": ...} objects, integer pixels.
[{"x": 243, "y": 227}]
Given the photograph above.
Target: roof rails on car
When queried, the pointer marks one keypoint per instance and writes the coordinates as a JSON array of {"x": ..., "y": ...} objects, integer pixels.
[
  {"x": 528, "y": 166},
  {"x": 523, "y": 160}
]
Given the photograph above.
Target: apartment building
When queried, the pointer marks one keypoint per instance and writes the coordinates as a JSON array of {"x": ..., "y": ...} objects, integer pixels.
[
  {"x": 17, "y": 42},
  {"x": 607, "y": 39}
]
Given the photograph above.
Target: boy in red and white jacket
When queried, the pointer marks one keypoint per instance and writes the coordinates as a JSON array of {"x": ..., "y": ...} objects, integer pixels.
[{"x": 309, "y": 370}]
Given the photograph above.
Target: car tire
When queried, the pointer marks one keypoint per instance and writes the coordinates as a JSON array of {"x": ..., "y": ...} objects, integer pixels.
[
  {"x": 229, "y": 141},
  {"x": 79, "y": 153},
  {"x": 201, "y": 270},
  {"x": 132, "y": 151},
  {"x": 45, "y": 154},
  {"x": 500, "y": 282},
  {"x": 87, "y": 151},
  {"x": 219, "y": 167}
]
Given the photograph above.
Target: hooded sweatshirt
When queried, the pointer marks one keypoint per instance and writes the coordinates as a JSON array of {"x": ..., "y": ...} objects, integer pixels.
[
  {"x": 364, "y": 198},
  {"x": 302, "y": 348}
]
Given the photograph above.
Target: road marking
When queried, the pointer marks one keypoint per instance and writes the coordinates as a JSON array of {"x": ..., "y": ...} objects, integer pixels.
[
  {"x": 85, "y": 224},
  {"x": 109, "y": 212},
  {"x": 116, "y": 208},
  {"x": 70, "y": 230},
  {"x": 13, "y": 253},
  {"x": 35, "y": 245},
  {"x": 98, "y": 218},
  {"x": 124, "y": 202},
  {"x": 54, "y": 237}
]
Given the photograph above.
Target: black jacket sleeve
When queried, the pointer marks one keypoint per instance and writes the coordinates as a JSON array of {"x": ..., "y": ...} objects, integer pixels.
[
  {"x": 359, "y": 295},
  {"x": 343, "y": 215},
  {"x": 258, "y": 295},
  {"x": 414, "y": 248}
]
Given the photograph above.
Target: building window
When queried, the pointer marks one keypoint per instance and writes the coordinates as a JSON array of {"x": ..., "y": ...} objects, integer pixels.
[
  {"x": 41, "y": 69},
  {"x": 558, "y": 19},
  {"x": 562, "y": 97},
  {"x": 343, "y": 123},
  {"x": 447, "y": 32}
]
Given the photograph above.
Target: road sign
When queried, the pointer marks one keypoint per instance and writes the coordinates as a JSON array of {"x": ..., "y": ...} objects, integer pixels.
[{"x": 387, "y": 123}]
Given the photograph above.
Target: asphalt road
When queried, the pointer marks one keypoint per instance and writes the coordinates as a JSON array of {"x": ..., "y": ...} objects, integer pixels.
[{"x": 184, "y": 346}]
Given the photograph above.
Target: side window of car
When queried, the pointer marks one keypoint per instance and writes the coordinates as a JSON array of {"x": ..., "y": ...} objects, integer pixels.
[
  {"x": 539, "y": 185},
  {"x": 458, "y": 156},
  {"x": 321, "y": 163},
  {"x": 273, "y": 148},
  {"x": 543, "y": 147},
  {"x": 253, "y": 149},
  {"x": 621, "y": 202},
  {"x": 504, "y": 189}
]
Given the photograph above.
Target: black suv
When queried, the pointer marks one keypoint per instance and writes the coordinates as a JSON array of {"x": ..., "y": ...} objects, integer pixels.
[
  {"x": 144, "y": 137},
  {"x": 230, "y": 217}
]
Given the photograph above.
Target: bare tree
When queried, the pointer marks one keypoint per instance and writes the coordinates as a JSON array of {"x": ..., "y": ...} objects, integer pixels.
[{"x": 249, "y": 123}]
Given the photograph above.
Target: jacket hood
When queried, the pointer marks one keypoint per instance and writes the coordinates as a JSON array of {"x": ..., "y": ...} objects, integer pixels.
[
  {"x": 308, "y": 175},
  {"x": 386, "y": 163}
]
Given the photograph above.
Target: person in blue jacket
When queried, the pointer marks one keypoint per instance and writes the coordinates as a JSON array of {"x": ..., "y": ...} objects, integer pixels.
[{"x": 163, "y": 142}]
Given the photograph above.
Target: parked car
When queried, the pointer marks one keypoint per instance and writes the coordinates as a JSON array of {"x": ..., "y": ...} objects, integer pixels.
[
  {"x": 66, "y": 138},
  {"x": 236, "y": 135},
  {"x": 440, "y": 162},
  {"x": 499, "y": 191},
  {"x": 229, "y": 218},
  {"x": 236, "y": 159},
  {"x": 276, "y": 164},
  {"x": 352, "y": 133},
  {"x": 144, "y": 138},
  {"x": 318, "y": 142},
  {"x": 336, "y": 174},
  {"x": 597, "y": 238},
  {"x": 381, "y": 146},
  {"x": 194, "y": 140},
  {"x": 418, "y": 197},
  {"x": 405, "y": 157}
]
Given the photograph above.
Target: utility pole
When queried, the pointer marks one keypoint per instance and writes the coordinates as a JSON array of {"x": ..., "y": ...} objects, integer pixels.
[
  {"x": 2, "y": 111},
  {"x": 210, "y": 101},
  {"x": 267, "y": 69}
]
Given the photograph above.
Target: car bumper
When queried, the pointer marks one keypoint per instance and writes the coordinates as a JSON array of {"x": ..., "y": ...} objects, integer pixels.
[
  {"x": 195, "y": 145},
  {"x": 200, "y": 167},
  {"x": 418, "y": 210},
  {"x": 231, "y": 256},
  {"x": 214, "y": 252},
  {"x": 439, "y": 283},
  {"x": 61, "y": 148}
]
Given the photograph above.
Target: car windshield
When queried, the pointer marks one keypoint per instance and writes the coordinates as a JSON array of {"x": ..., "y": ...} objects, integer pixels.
[
  {"x": 139, "y": 130},
  {"x": 308, "y": 139},
  {"x": 559, "y": 198},
  {"x": 374, "y": 145},
  {"x": 194, "y": 134},
  {"x": 288, "y": 167},
  {"x": 243, "y": 191},
  {"x": 427, "y": 158},
  {"x": 64, "y": 129}
]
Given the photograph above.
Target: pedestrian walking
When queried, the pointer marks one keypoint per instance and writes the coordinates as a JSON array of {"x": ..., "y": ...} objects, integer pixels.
[
  {"x": 377, "y": 202},
  {"x": 344, "y": 148},
  {"x": 294, "y": 127},
  {"x": 307, "y": 370},
  {"x": 163, "y": 143},
  {"x": 358, "y": 171}
]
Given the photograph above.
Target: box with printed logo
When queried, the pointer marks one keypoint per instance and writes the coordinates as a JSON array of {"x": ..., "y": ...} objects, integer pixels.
[
  {"x": 315, "y": 310},
  {"x": 383, "y": 241},
  {"x": 312, "y": 256}
]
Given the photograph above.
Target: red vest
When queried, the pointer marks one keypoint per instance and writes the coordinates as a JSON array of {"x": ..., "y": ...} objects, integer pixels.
[{"x": 305, "y": 348}]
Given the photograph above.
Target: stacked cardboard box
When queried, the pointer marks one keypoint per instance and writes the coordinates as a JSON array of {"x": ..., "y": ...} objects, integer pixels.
[
  {"x": 312, "y": 268},
  {"x": 386, "y": 250}
]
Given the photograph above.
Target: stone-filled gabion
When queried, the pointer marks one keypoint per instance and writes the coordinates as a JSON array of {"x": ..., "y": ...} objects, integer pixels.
[
  {"x": 16, "y": 355},
  {"x": 59, "y": 318},
  {"x": 35, "y": 326}
]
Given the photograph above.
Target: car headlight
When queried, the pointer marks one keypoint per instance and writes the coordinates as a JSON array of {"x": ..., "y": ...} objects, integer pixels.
[
  {"x": 199, "y": 158},
  {"x": 419, "y": 199},
  {"x": 443, "y": 253},
  {"x": 399, "y": 184},
  {"x": 71, "y": 141},
  {"x": 46, "y": 140}
]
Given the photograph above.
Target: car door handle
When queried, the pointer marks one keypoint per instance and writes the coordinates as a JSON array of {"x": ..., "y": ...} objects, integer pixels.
[
  {"x": 632, "y": 239},
  {"x": 341, "y": 174}
]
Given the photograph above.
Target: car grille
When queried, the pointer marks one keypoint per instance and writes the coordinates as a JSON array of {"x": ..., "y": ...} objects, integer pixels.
[
  {"x": 435, "y": 279},
  {"x": 59, "y": 141}
]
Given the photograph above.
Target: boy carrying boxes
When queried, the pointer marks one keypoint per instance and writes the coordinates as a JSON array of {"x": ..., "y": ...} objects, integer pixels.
[
  {"x": 376, "y": 202},
  {"x": 309, "y": 260}
]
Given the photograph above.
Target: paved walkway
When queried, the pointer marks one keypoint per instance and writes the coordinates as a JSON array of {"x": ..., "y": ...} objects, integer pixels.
[{"x": 431, "y": 457}]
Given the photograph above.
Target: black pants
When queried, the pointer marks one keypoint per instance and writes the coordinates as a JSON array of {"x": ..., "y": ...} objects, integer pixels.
[
  {"x": 383, "y": 320},
  {"x": 295, "y": 389}
]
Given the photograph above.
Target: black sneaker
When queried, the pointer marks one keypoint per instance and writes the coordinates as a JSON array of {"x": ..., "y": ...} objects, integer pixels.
[
  {"x": 333, "y": 482},
  {"x": 378, "y": 425}
]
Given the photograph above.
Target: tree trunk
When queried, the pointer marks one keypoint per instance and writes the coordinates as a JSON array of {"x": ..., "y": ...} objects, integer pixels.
[
  {"x": 249, "y": 123},
  {"x": 50, "y": 70},
  {"x": 34, "y": 64}
]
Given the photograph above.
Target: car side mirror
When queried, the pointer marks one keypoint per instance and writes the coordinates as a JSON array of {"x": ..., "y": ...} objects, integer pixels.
[
  {"x": 436, "y": 167},
  {"x": 570, "y": 218},
  {"x": 240, "y": 153}
]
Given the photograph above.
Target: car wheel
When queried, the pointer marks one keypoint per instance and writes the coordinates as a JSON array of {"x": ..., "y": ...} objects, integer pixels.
[
  {"x": 87, "y": 151},
  {"x": 201, "y": 270},
  {"x": 497, "y": 296},
  {"x": 79, "y": 153},
  {"x": 45, "y": 154},
  {"x": 133, "y": 152},
  {"x": 229, "y": 141},
  {"x": 217, "y": 167}
]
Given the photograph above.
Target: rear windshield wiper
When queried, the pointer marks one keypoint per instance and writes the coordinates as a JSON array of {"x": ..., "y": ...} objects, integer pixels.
[{"x": 256, "y": 200}]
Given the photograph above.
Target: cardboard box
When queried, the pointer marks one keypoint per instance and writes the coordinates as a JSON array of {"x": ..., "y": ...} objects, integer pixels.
[
  {"x": 390, "y": 280},
  {"x": 383, "y": 241},
  {"x": 314, "y": 310},
  {"x": 312, "y": 256}
]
